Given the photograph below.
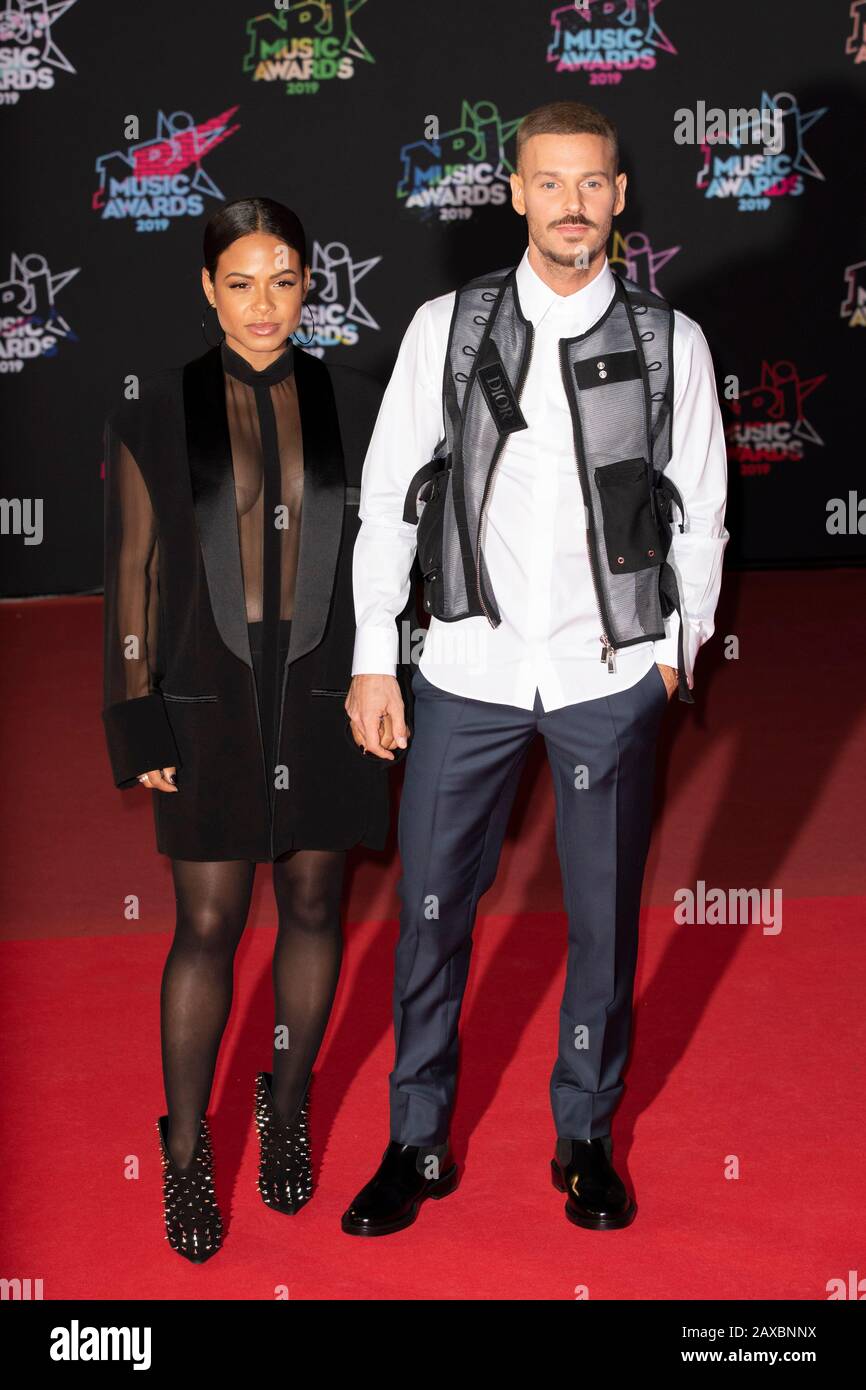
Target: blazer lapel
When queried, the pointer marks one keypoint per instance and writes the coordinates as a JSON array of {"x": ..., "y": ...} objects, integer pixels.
[
  {"x": 323, "y": 504},
  {"x": 213, "y": 492}
]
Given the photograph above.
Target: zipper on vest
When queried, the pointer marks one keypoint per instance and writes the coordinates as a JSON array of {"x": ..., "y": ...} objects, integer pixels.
[
  {"x": 608, "y": 650},
  {"x": 495, "y": 460},
  {"x": 500, "y": 445}
]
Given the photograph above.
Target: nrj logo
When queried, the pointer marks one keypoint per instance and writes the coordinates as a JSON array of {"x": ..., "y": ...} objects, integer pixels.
[
  {"x": 305, "y": 43},
  {"x": 771, "y": 425},
  {"x": 606, "y": 39},
  {"x": 854, "y": 304},
  {"x": 452, "y": 173},
  {"x": 29, "y": 57},
  {"x": 338, "y": 314},
  {"x": 31, "y": 323},
  {"x": 633, "y": 256},
  {"x": 774, "y": 170},
  {"x": 855, "y": 45},
  {"x": 154, "y": 181}
]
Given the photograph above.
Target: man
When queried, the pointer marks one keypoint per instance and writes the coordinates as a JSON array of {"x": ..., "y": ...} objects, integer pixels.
[{"x": 577, "y": 409}]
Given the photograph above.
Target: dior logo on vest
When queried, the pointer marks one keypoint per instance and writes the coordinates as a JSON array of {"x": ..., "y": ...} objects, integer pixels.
[{"x": 499, "y": 393}]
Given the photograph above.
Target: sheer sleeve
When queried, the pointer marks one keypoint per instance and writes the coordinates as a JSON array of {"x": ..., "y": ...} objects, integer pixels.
[{"x": 136, "y": 725}]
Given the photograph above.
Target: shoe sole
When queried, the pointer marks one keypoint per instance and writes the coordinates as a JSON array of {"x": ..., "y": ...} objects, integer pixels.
[
  {"x": 441, "y": 1188},
  {"x": 593, "y": 1223},
  {"x": 197, "y": 1259},
  {"x": 286, "y": 1211}
]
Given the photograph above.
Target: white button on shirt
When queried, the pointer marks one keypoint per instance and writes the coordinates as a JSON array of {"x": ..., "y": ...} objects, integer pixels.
[{"x": 534, "y": 535}]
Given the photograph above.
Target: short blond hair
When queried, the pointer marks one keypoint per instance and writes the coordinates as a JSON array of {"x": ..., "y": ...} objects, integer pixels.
[{"x": 567, "y": 118}]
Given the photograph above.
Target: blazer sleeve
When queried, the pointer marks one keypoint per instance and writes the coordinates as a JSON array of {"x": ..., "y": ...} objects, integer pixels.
[{"x": 137, "y": 729}]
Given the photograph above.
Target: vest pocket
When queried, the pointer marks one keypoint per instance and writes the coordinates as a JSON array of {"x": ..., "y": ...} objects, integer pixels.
[
  {"x": 429, "y": 536},
  {"x": 631, "y": 535}
]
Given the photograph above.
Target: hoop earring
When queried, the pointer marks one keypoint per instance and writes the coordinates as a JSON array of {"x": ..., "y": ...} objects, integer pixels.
[
  {"x": 204, "y": 329},
  {"x": 301, "y": 341}
]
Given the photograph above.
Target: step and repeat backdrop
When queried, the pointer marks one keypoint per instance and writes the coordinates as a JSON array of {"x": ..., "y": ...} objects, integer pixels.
[{"x": 389, "y": 126}]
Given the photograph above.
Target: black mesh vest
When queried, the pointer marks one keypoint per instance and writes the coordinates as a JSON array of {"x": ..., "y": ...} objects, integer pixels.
[{"x": 618, "y": 379}]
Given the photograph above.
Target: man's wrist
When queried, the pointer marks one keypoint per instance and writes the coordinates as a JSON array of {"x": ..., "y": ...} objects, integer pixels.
[
  {"x": 375, "y": 651},
  {"x": 670, "y": 675}
]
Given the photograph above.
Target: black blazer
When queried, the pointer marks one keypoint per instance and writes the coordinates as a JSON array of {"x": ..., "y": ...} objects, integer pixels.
[{"x": 195, "y": 704}]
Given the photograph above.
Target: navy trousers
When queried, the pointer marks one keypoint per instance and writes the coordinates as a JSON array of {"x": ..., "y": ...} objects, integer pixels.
[{"x": 462, "y": 770}]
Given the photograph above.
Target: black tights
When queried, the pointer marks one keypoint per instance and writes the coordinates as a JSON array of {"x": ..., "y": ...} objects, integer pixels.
[{"x": 213, "y": 900}]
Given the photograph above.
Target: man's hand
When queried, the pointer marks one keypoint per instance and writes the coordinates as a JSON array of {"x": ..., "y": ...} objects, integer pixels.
[
  {"x": 376, "y": 716},
  {"x": 670, "y": 676}
]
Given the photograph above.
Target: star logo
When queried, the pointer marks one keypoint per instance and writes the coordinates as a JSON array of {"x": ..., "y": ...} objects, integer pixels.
[
  {"x": 29, "y": 295},
  {"x": 334, "y": 278},
  {"x": 633, "y": 256},
  {"x": 28, "y": 23}
]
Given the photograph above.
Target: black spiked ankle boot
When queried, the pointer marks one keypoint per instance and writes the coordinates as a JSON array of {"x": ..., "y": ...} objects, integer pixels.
[
  {"x": 285, "y": 1180},
  {"x": 193, "y": 1224}
]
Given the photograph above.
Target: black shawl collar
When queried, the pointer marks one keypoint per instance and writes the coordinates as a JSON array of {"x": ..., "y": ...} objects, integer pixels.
[{"x": 213, "y": 491}]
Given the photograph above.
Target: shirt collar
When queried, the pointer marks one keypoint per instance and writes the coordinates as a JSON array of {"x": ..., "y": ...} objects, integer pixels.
[
  {"x": 575, "y": 312},
  {"x": 239, "y": 367}
]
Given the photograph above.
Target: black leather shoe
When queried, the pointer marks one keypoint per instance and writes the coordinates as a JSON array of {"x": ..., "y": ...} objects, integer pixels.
[
  {"x": 392, "y": 1198},
  {"x": 597, "y": 1198}
]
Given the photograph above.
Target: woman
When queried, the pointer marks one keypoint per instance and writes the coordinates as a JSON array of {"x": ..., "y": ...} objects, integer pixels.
[{"x": 231, "y": 510}]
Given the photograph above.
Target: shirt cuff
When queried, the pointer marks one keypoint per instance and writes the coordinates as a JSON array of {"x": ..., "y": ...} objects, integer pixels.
[
  {"x": 665, "y": 651},
  {"x": 375, "y": 651}
]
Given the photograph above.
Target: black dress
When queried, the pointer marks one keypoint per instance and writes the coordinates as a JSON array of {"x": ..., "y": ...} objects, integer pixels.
[
  {"x": 268, "y": 465},
  {"x": 231, "y": 511}
]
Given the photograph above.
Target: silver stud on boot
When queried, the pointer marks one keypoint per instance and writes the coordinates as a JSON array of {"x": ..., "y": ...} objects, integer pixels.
[
  {"x": 285, "y": 1179},
  {"x": 193, "y": 1223}
]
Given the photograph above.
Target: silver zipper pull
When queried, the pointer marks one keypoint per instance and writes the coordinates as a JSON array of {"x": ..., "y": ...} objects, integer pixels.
[{"x": 608, "y": 653}]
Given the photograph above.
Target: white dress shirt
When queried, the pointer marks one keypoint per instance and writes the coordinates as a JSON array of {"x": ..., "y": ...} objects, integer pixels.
[{"x": 534, "y": 537}]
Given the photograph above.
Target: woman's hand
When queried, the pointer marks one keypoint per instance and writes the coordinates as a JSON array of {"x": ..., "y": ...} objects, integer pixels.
[{"x": 157, "y": 780}]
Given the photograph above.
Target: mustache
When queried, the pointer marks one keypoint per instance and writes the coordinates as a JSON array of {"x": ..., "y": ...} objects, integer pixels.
[{"x": 573, "y": 222}]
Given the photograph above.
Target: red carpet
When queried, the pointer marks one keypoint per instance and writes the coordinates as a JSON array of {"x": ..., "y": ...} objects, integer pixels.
[{"x": 747, "y": 1052}]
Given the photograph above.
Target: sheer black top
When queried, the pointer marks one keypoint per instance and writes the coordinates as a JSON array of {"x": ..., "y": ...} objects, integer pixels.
[{"x": 268, "y": 466}]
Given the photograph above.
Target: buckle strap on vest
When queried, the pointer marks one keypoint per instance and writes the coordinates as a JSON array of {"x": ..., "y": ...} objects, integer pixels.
[
  {"x": 671, "y": 493},
  {"x": 668, "y": 494},
  {"x": 671, "y": 600},
  {"x": 424, "y": 474}
]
